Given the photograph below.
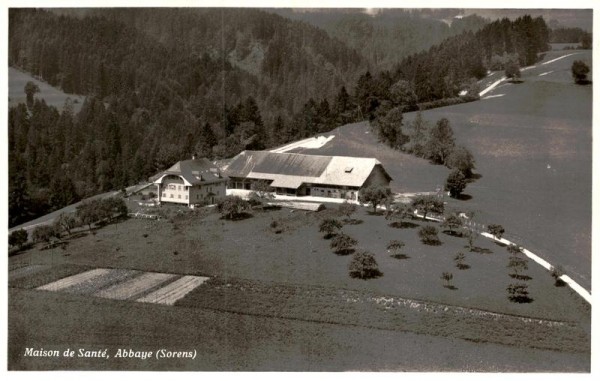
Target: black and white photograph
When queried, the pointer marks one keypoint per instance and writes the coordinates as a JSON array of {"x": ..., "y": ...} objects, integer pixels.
[{"x": 327, "y": 188}]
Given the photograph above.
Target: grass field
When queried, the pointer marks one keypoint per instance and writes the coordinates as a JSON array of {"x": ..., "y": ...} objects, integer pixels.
[
  {"x": 533, "y": 148},
  {"x": 53, "y": 96}
]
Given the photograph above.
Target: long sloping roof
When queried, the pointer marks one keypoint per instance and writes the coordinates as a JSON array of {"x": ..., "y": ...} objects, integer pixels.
[
  {"x": 192, "y": 172},
  {"x": 290, "y": 170}
]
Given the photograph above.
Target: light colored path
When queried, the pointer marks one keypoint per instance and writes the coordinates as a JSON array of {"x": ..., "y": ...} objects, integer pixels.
[
  {"x": 493, "y": 85},
  {"x": 64, "y": 283},
  {"x": 134, "y": 287},
  {"x": 311, "y": 143},
  {"x": 172, "y": 292}
]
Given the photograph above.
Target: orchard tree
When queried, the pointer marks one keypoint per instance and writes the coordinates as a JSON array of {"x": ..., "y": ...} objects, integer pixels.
[
  {"x": 471, "y": 237},
  {"x": 518, "y": 293},
  {"x": 347, "y": 209},
  {"x": 394, "y": 247},
  {"x": 18, "y": 238},
  {"x": 452, "y": 222},
  {"x": 342, "y": 244},
  {"x": 514, "y": 249},
  {"x": 580, "y": 71},
  {"x": 455, "y": 183},
  {"x": 374, "y": 195},
  {"x": 330, "y": 227},
  {"x": 88, "y": 212},
  {"x": 364, "y": 266},
  {"x": 429, "y": 235},
  {"x": 261, "y": 192},
  {"x": 495, "y": 230},
  {"x": 44, "y": 233},
  {"x": 232, "y": 207},
  {"x": 517, "y": 264},
  {"x": 459, "y": 260},
  {"x": 447, "y": 277},
  {"x": 65, "y": 222},
  {"x": 428, "y": 204}
]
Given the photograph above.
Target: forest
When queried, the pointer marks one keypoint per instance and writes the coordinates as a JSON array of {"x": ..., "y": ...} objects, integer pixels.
[{"x": 161, "y": 84}]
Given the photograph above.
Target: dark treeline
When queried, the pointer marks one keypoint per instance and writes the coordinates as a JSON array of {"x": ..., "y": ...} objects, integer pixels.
[
  {"x": 163, "y": 84},
  {"x": 571, "y": 35}
]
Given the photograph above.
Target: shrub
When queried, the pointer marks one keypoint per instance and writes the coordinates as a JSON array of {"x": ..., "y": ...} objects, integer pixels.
[
  {"x": 447, "y": 277},
  {"x": 232, "y": 207},
  {"x": 329, "y": 226},
  {"x": 342, "y": 244},
  {"x": 495, "y": 230},
  {"x": 459, "y": 259},
  {"x": 452, "y": 222},
  {"x": 347, "y": 209},
  {"x": 428, "y": 235},
  {"x": 395, "y": 246},
  {"x": 18, "y": 238},
  {"x": 364, "y": 266}
]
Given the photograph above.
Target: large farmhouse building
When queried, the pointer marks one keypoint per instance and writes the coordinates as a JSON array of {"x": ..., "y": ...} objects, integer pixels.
[
  {"x": 306, "y": 175},
  {"x": 190, "y": 182}
]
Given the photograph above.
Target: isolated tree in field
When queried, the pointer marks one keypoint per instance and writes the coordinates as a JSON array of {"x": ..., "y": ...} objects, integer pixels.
[
  {"x": 342, "y": 244},
  {"x": 374, "y": 195},
  {"x": 232, "y": 207},
  {"x": 65, "y": 222},
  {"x": 428, "y": 204},
  {"x": 394, "y": 246},
  {"x": 471, "y": 237},
  {"x": 512, "y": 71},
  {"x": 429, "y": 235},
  {"x": 462, "y": 159},
  {"x": 30, "y": 90},
  {"x": 580, "y": 71},
  {"x": 440, "y": 142},
  {"x": 452, "y": 222},
  {"x": 18, "y": 238},
  {"x": 518, "y": 293},
  {"x": 330, "y": 227},
  {"x": 517, "y": 265},
  {"x": 557, "y": 272},
  {"x": 455, "y": 183},
  {"x": 347, "y": 209},
  {"x": 459, "y": 260},
  {"x": 514, "y": 249},
  {"x": 44, "y": 233},
  {"x": 364, "y": 266},
  {"x": 495, "y": 230},
  {"x": 400, "y": 212},
  {"x": 389, "y": 128},
  {"x": 447, "y": 277}
]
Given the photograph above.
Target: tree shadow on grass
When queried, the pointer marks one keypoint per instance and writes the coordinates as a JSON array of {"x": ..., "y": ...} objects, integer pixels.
[
  {"x": 377, "y": 213},
  {"x": 352, "y": 221},
  {"x": 500, "y": 244},
  {"x": 403, "y": 225},
  {"x": 400, "y": 256},
  {"x": 344, "y": 252},
  {"x": 480, "y": 250},
  {"x": 453, "y": 233},
  {"x": 239, "y": 217},
  {"x": 463, "y": 266},
  {"x": 520, "y": 276},
  {"x": 451, "y": 287},
  {"x": 520, "y": 299},
  {"x": 432, "y": 242},
  {"x": 463, "y": 197},
  {"x": 560, "y": 283}
]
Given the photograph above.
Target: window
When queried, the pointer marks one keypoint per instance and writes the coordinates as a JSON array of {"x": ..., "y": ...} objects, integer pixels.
[
  {"x": 164, "y": 195},
  {"x": 179, "y": 187},
  {"x": 171, "y": 195},
  {"x": 186, "y": 196},
  {"x": 179, "y": 196},
  {"x": 197, "y": 196}
]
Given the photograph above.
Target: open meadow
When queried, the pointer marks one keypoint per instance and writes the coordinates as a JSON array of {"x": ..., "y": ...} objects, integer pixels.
[{"x": 532, "y": 144}]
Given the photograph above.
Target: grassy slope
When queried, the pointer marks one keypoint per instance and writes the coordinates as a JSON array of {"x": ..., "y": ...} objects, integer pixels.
[
  {"x": 544, "y": 121},
  {"x": 53, "y": 96},
  {"x": 239, "y": 342}
]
